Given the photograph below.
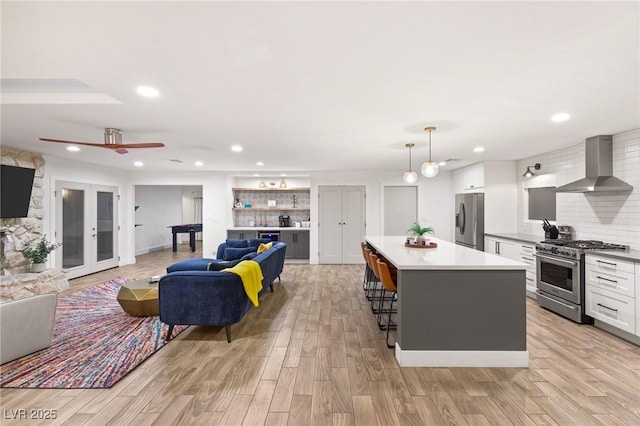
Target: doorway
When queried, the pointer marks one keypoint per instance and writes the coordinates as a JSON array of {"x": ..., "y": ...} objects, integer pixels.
[
  {"x": 87, "y": 226},
  {"x": 400, "y": 209}
]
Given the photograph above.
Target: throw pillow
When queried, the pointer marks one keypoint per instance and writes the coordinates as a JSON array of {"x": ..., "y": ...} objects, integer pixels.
[
  {"x": 220, "y": 265},
  {"x": 237, "y": 243},
  {"x": 264, "y": 247},
  {"x": 231, "y": 253},
  {"x": 255, "y": 242},
  {"x": 249, "y": 256}
]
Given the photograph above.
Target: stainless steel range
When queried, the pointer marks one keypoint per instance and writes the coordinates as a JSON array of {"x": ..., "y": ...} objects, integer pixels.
[{"x": 560, "y": 275}]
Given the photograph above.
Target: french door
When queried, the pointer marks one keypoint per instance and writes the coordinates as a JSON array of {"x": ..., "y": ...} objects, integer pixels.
[{"x": 87, "y": 226}]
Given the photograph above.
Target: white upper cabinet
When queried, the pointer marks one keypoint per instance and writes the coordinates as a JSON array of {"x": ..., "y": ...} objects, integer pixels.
[
  {"x": 499, "y": 182},
  {"x": 469, "y": 179}
]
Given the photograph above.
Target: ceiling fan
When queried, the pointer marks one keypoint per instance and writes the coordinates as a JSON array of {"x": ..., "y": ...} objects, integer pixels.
[{"x": 112, "y": 140}]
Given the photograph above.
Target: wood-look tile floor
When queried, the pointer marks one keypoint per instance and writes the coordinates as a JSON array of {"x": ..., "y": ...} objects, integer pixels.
[{"x": 311, "y": 353}]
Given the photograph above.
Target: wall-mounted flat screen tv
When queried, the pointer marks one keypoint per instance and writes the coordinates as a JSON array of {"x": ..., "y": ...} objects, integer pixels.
[{"x": 16, "y": 184}]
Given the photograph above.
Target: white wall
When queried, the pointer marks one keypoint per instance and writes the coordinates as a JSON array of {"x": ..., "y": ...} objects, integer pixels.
[
  {"x": 435, "y": 201},
  {"x": 160, "y": 206},
  {"x": 610, "y": 217},
  {"x": 58, "y": 169},
  {"x": 191, "y": 200},
  {"x": 216, "y": 204}
]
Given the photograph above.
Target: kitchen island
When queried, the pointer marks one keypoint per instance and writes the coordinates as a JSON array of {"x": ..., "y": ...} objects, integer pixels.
[{"x": 457, "y": 307}]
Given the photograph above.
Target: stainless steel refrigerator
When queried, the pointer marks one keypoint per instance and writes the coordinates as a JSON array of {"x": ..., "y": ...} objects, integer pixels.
[{"x": 470, "y": 220}]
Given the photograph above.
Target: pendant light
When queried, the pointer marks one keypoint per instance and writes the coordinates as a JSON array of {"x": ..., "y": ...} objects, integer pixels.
[
  {"x": 430, "y": 168},
  {"x": 410, "y": 176}
]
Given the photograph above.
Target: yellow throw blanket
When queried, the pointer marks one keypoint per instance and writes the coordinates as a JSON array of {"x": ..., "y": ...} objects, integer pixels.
[{"x": 251, "y": 275}]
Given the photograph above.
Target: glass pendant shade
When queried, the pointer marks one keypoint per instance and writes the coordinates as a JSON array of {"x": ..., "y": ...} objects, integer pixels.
[
  {"x": 429, "y": 168},
  {"x": 410, "y": 177}
]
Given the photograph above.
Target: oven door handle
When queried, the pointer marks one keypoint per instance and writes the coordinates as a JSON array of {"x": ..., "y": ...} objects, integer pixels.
[{"x": 556, "y": 261}]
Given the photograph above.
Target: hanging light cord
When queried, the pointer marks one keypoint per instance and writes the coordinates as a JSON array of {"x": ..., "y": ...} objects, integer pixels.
[{"x": 430, "y": 145}]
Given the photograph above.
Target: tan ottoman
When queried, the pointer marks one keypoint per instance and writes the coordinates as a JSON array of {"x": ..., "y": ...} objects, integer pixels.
[{"x": 139, "y": 298}]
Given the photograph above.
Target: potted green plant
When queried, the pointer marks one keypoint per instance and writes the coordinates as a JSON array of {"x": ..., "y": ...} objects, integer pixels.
[
  {"x": 417, "y": 232},
  {"x": 38, "y": 253}
]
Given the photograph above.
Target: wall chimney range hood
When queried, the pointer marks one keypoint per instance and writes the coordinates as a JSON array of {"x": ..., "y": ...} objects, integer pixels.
[{"x": 599, "y": 169}]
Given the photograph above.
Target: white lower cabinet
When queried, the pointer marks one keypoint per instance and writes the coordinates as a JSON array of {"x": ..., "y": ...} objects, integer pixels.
[
  {"x": 518, "y": 251},
  {"x": 504, "y": 248},
  {"x": 610, "y": 287},
  {"x": 612, "y": 308},
  {"x": 637, "y": 267},
  {"x": 526, "y": 256}
]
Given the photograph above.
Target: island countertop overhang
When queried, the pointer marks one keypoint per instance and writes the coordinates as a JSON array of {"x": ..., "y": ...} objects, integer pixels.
[{"x": 447, "y": 256}]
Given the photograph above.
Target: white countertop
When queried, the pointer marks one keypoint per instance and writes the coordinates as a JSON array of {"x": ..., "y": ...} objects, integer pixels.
[
  {"x": 267, "y": 228},
  {"x": 516, "y": 236},
  {"x": 447, "y": 256}
]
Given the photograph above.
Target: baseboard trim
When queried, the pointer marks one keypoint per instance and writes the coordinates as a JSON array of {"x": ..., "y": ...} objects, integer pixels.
[
  {"x": 632, "y": 338},
  {"x": 462, "y": 358}
]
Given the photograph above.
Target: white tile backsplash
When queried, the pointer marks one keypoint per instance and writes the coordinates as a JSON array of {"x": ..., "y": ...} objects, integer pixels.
[{"x": 610, "y": 217}]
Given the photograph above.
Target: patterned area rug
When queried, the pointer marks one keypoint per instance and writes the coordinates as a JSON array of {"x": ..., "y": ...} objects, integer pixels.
[{"x": 95, "y": 344}]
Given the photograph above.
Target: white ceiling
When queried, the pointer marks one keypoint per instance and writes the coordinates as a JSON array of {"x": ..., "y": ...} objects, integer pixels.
[{"x": 318, "y": 86}]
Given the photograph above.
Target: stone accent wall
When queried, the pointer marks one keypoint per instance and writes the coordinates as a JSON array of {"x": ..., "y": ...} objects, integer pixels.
[
  {"x": 21, "y": 286},
  {"x": 14, "y": 232}
]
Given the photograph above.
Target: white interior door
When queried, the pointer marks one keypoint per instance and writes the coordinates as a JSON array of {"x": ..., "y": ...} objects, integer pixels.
[
  {"x": 87, "y": 226},
  {"x": 329, "y": 224},
  {"x": 400, "y": 209},
  {"x": 341, "y": 224},
  {"x": 353, "y": 223}
]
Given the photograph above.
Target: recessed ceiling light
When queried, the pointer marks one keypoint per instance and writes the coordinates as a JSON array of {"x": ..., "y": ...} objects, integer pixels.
[
  {"x": 73, "y": 148},
  {"x": 256, "y": 175},
  {"x": 138, "y": 164},
  {"x": 560, "y": 117},
  {"x": 442, "y": 163},
  {"x": 259, "y": 163},
  {"x": 236, "y": 148},
  {"x": 148, "y": 92},
  {"x": 283, "y": 175},
  {"x": 199, "y": 163},
  {"x": 478, "y": 149}
]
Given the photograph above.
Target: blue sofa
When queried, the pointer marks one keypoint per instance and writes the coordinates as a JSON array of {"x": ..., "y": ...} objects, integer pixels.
[{"x": 190, "y": 294}]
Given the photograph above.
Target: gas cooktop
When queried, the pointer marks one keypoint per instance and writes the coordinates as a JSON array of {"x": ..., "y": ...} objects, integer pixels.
[{"x": 574, "y": 248}]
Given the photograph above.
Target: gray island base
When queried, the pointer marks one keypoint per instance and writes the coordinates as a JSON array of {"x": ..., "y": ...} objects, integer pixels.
[{"x": 457, "y": 307}]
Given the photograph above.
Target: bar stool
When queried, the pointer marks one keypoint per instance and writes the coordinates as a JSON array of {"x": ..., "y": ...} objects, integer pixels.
[
  {"x": 368, "y": 273},
  {"x": 378, "y": 293},
  {"x": 389, "y": 285}
]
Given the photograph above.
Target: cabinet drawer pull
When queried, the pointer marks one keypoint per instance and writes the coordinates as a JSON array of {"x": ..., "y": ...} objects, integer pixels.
[
  {"x": 529, "y": 279},
  {"x": 606, "y": 307},
  {"x": 607, "y": 263},
  {"x": 606, "y": 279},
  {"x": 526, "y": 258}
]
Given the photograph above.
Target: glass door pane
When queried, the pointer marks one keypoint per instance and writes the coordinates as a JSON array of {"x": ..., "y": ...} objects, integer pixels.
[
  {"x": 72, "y": 227},
  {"x": 105, "y": 225}
]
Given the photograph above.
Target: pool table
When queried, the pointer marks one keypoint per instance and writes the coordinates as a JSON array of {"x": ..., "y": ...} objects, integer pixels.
[{"x": 191, "y": 228}]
